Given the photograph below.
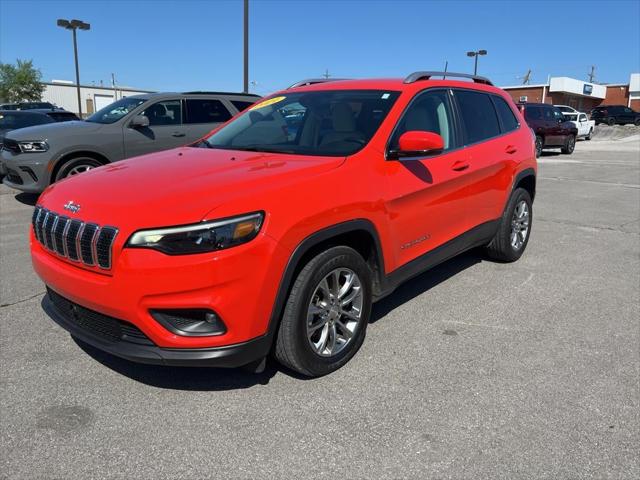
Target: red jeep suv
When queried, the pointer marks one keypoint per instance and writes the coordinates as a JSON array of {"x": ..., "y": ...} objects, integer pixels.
[{"x": 277, "y": 231}]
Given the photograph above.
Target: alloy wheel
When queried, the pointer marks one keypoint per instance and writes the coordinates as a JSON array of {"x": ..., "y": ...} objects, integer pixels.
[
  {"x": 335, "y": 312},
  {"x": 520, "y": 225}
]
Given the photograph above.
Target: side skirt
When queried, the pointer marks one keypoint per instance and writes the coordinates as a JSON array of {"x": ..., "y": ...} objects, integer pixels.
[{"x": 477, "y": 236}]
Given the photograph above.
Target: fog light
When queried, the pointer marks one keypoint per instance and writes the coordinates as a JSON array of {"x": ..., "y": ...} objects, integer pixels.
[{"x": 192, "y": 322}]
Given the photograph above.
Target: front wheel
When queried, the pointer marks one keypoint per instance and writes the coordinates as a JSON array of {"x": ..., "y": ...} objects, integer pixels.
[
  {"x": 512, "y": 236},
  {"x": 611, "y": 122},
  {"x": 326, "y": 314},
  {"x": 569, "y": 145},
  {"x": 75, "y": 166},
  {"x": 637, "y": 122}
]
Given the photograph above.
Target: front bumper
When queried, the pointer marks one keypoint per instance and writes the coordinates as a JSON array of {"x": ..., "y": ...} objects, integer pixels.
[
  {"x": 26, "y": 171},
  {"x": 227, "y": 356}
]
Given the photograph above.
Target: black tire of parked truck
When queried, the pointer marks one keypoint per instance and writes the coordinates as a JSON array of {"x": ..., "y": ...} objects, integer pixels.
[
  {"x": 569, "y": 145},
  {"x": 318, "y": 305}
]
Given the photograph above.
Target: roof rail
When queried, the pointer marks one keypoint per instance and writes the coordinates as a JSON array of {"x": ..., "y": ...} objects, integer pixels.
[
  {"x": 220, "y": 93},
  {"x": 416, "y": 76},
  {"x": 312, "y": 81}
]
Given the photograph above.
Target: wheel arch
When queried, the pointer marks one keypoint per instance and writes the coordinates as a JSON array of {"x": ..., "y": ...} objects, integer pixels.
[
  {"x": 78, "y": 153},
  {"x": 359, "y": 234},
  {"x": 526, "y": 179}
]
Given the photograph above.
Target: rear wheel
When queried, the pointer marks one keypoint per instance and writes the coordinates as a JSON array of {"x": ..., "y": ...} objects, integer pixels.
[
  {"x": 515, "y": 227},
  {"x": 569, "y": 145},
  {"x": 76, "y": 166},
  {"x": 588, "y": 137},
  {"x": 539, "y": 144},
  {"x": 611, "y": 122},
  {"x": 326, "y": 314}
]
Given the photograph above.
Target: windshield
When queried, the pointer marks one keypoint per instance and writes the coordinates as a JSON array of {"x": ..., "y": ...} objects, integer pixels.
[
  {"x": 114, "y": 112},
  {"x": 334, "y": 123}
]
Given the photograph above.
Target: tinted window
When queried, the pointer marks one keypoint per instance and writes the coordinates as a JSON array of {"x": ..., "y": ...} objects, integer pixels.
[
  {"x": 333, "y": 123},
  {"x": 206, "y": 111},
  {"x": 115, "y": 111},
  {"x": 240, "y": 105},
  {"x": 478, "y": 115},
  {"x": 168, "y": 112},
  {"x": 12, "y": 121},
  {"x": 429, "y": 112},
  {"x": 508, "y": 119},
  {"x": 533, "y": 113},
  {"x": 556, "y": 114}
]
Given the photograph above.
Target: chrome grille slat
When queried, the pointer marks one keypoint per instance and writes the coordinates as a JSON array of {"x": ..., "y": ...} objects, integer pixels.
[{"x": 73, "y": 239}]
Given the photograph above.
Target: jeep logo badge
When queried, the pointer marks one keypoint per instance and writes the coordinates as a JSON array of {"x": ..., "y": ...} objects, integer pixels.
[{"x": 72, "y": 207}]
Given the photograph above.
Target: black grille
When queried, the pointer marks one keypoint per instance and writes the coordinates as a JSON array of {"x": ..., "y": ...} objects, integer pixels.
[
  {"x": 73, "y": 239},
  {"x": 102, "y": 326},
  {"x": 86, "y": 243},
  {"x": 103, "y": 246}
]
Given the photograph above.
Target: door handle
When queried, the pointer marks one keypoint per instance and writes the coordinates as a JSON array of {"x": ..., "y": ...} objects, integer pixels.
[
  {"x": 178, "y": 134},
  {"x": 510, "y": 149},
  {"x": 460, "y": 166}
]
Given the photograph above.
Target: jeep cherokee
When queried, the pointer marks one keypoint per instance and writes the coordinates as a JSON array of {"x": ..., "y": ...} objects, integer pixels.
[{"x": 276, "y": 232}]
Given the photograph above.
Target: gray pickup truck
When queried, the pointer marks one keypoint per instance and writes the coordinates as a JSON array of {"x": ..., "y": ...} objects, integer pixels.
[{"x": 34, "y": 157}]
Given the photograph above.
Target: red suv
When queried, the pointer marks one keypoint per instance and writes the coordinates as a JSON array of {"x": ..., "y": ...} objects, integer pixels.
[{"x": 277, "y": 231}]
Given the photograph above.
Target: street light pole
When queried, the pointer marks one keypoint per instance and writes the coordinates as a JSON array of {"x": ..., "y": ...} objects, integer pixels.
[
  {"x": 246, "y": 46},
  {"x": 476, "y": 54},
  {"x": 74, "y": 25}
]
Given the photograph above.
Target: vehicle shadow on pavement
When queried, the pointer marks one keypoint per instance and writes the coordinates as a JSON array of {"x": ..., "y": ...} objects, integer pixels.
[
  {"x": 27, "y": 198},
  {"x": 424, "y": 282},
  {"x": 181, "y": 378},
  {"x": 220, "y": 379}
]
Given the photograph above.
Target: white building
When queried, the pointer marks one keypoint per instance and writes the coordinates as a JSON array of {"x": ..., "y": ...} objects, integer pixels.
[{"x": 64, "y": 94}]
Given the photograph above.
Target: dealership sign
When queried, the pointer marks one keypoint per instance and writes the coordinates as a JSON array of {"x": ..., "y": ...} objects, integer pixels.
[{"x": 587, "y": 89}]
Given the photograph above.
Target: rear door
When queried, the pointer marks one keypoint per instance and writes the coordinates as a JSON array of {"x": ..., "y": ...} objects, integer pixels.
[
  {"x": 203, "y": 115},
  {"x": 166, "y": 129},
  {"x": 488, "y": 123}
]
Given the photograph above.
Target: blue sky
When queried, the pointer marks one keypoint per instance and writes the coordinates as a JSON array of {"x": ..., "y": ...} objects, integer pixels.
[{"x": 197, "y": 45}]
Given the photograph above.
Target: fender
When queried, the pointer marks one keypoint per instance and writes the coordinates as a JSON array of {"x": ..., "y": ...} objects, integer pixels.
[
  {"x": 527, "y": 172},
  {"x": 306, "y": 245}
]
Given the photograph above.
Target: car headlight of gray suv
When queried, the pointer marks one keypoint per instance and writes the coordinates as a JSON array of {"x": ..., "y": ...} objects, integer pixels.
[{"x": 33, "y": 146}]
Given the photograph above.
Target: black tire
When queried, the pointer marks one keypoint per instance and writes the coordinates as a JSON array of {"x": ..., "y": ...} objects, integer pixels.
[
  {"x": 588, "y": 137},
  {"x": 611, "y": 122},
  {"x": 293, "y": 348},
  {"x": 79, "y": 163},
  {"x": 569, "y": 145},
  {"x": 501, "y": 248},
  {"x": 539, "y": 145},
  {"x": 637, "y": 122}
]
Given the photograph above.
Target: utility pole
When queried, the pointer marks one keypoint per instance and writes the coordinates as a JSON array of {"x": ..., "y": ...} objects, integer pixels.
[
  {"x": 246, "y": 46},
  {"x": 526, "y": 78},
  {"x": 326, "y": 73},
  {"x": 592, "y": 74},
  {"x": 74, "y": 25},
  {"x": 446, "y": 65}
]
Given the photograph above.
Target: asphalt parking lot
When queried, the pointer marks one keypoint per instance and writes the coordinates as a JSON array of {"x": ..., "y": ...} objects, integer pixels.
[{"x": 473, "y": 370}]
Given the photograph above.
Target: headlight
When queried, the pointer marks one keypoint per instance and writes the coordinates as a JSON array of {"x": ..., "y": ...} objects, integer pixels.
[
  {"x": 200, "y": 237},
  {"x": 31, "y": 147}
]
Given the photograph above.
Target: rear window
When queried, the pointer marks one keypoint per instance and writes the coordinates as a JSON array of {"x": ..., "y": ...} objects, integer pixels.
[
  {"x": 533, "y": 113},
  {"x": 13, "y": 121},
  {"x": 206, "y": 111},
  {"x": 240, "y": 105},
  {"x": 507, "y": 118},
  {"x": 478, "y": 115}
]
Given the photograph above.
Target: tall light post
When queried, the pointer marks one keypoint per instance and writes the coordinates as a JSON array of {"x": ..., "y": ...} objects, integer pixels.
[
  {"x": 476, "y": 54},
  {"x": 246, "y": 46},
  {"x": 74, "y": 25}
]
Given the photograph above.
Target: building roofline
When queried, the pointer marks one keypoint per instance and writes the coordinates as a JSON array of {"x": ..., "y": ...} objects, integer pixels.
[
  {"x": 128, "y": 89},
  {"x": 512, "y": 87}
]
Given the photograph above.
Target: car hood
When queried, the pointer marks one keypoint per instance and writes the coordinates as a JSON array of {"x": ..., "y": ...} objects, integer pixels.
[
  {"x": 49, "y": 130},
  {"x": 179, "y": 186}
]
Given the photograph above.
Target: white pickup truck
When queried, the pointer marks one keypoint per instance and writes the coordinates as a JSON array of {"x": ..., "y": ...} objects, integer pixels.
[{"x": 580, "y": 120}]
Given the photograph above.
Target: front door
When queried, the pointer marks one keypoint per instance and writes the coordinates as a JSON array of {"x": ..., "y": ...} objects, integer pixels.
[
  {"x": 425, "y": 197},
  {"x": 166, "y": 130}
]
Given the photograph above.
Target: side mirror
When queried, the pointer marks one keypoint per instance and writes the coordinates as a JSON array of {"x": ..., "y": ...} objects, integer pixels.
[
  {"x": 417, "y": 143},
  {"x": 139, "y": 121}
]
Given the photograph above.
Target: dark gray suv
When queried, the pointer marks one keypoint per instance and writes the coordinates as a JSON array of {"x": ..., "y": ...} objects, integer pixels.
[{"x": 34, "y": 157}]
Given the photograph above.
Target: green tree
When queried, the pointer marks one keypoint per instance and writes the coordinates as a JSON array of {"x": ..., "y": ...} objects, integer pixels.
[{"x": 20, "y": 82}]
